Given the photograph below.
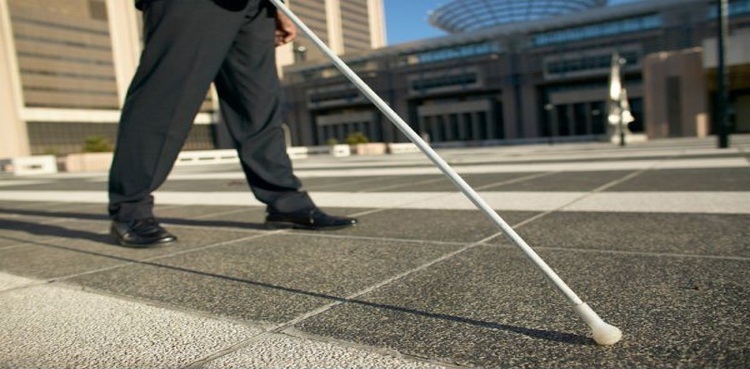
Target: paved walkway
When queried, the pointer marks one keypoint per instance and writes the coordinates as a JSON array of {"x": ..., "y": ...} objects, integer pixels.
[{"x": 653, "y": 236}]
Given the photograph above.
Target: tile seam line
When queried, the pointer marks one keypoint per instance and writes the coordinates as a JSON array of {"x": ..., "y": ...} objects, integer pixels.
[
  {"x": 597, "y": 190},
  {"x": 129, "y": 262},
  {"x": 446, "y": 194},
  {"x": 198, "y": 314},
  {"x": 278, "y": 328},
  {"x": 648, "y": 254}
]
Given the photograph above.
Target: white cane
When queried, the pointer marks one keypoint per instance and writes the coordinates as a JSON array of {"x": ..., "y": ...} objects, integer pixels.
[{"x": 603, "y": 333}]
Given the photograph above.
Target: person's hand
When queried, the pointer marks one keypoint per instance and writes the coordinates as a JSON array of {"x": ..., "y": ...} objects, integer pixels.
[{"x": 286, "y": 31}]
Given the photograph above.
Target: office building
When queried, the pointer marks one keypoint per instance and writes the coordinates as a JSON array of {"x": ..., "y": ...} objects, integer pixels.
[
  {"x": 65, "y": 66},
  {"x": 534, "y": 71}
]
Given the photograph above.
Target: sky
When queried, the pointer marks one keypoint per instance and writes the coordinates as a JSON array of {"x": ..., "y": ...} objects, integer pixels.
[{"x": 406, "y": 20}]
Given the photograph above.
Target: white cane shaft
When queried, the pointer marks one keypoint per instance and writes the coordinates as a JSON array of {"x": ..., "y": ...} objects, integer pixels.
[{"x": 433, "y": 156}]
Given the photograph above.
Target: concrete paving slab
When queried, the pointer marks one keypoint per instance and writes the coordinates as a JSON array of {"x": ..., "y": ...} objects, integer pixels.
[
  {"x": 244, "y": 217},
  {"x": 188, "y": 238},
  {"x": 676, "y": 281},
  {"x": 622, "y": 165},
  {"x": 56, "y": 185},
  {"x": 566, "y": 182},
  {"x": 665, "y": 202},
  {"x": 20, "y": 230},
  {"x": 488, "y": 307},
  {"x": 684, "y": 234},
  {"x": 445, "y": 226},
  {"x": 364, "y": 183},
  {"x": 319, "y": 265},
  {"x": 327, "y": 183},
  {"x": 285, "y": 351},
  {"x": 11, "y": 204},
  {"x": 704, "y": 179},
  {"x": 180, "y": 213},
  {"x": 207, "y": 185},
  {"x": 47, "y": 261},
  {"x": 54, "y": 212},
  {"x": 56, "y": 327},
  {"x": 501, "y": 201},
  {"x": 10, "y": 281},
  {"x": 14, "y": 182},
  {"x": 680, "y": 163},
  {"x": 373, "y": 199},
  {"x": 729, "y": 202},
  {"x": 476, "y": 181},
  {"x": 207, "y": 292},
  {"x": 88, "y": 197}
]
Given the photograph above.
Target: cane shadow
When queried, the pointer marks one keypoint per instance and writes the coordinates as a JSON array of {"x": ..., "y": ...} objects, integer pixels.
[
  {"x": 53, "y": 230},
  {"x": 554, "y": 336}
]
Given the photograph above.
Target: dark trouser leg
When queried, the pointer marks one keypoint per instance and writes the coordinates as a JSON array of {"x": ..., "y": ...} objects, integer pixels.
[
  {"x": 186, "y": 43},
  {"x": 249, "y": 93}
]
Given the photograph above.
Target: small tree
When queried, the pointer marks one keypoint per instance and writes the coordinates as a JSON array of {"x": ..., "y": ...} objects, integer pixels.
[
  {"x": 332, "y": 142},
  {"x": 96, "y": 144}
]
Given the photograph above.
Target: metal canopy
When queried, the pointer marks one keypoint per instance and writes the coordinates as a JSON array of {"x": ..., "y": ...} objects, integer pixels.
[{"x": 469, "y": 15}]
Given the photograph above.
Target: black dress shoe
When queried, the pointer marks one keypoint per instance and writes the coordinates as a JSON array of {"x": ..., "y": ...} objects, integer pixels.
[
  {"x": 140, "y": 233},
  {"x": 314, "y": 219}
]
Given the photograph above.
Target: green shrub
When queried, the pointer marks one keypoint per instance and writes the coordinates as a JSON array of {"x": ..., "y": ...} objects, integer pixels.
[
  {"x": 332, "y": 141},
  {"x": 97, "y": 144},
  {"x": 356, "y": 138}
]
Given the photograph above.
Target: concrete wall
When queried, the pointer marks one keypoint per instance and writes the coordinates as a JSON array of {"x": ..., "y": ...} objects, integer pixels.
[
  {"x": 14, "y": 140},
  {"x": 676, "y": 100}
]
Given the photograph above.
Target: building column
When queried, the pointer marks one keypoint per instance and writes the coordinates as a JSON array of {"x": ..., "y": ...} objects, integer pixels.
[
  {"x": 448, "y": 126},
  {"x": 491, "y": 126},
  {"x": 321, "y": 131},
  {"x": 377, "y": 23},
  {"x": 476, "y": 128},
  {"x": 14, "y": 138},
  {"x": 461, "y": 119},
  {"x": 335, "y": 30},
  {"x": 435, "y": 125},
  {"x": 571, "y": 120},
  {"x": 421, "y": 129},
  {"x": 126, "y": 42}
]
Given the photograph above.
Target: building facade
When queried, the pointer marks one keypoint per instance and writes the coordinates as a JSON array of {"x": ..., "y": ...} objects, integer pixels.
[
  {"x": 65, "y": 66},
  {"x": 346, "y": 26},
  {"x": 535, "y": 79}
]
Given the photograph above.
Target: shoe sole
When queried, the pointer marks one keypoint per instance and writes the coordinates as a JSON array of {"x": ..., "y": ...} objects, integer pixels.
[{"x": 122, "y": 242}]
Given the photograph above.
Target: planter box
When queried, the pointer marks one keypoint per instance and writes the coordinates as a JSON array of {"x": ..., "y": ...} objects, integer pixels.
[
  {"x": 402, "y": 148},
  {"x": 30, "y": 165},
  {"x": 87, "y": 162},
  {"x": 373, "y": 148}
]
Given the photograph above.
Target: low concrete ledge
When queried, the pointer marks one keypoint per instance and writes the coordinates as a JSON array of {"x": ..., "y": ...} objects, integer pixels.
[
  {"x": 372, "y": 148},
  {"x": 303, "y": 152},
  {"x": 202, "y": 157},
  {"x": 30, "y": 165},
  {"x": 87, "y": 162},
  {"x": 629, "y": 138},
  {"x": 402, "y": 148},
  {"x": 339, "y": 151}
]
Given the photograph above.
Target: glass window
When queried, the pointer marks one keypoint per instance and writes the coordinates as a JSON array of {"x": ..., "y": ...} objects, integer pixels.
[
  {"x": 737, "y": 7},
  {"x": 452, "y": 53},
  {"x": 598, "y": 30}
]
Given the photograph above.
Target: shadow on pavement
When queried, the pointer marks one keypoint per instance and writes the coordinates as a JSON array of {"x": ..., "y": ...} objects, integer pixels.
[{"x": 59, "y": 231}]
